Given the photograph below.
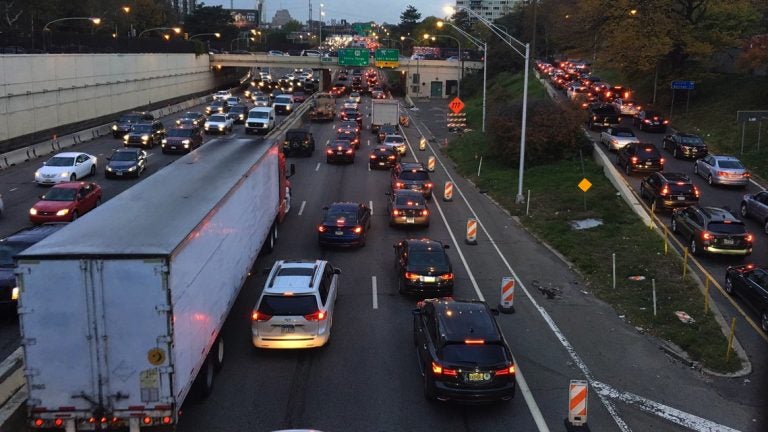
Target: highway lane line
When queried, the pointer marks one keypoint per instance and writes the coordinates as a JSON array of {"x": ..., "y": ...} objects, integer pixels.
[
  {"x": 609, "y": 406},
  {"x": 522, "y": 384},
  {"x": 370, "y": 205},
  {"x": 666, "y": 412},
  {"x": 374, "y": 292},
  {"x": 301, "y": 209},
  {"x": 317, "y": 168},
  {"x": 11, "y": 190},
  {"x": 369, "y": 142}
]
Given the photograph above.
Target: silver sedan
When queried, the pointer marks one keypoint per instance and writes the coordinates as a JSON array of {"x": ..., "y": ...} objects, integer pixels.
[
  {"x": 617, "y": 137},
  {"x": 722, "y": 170},
  {"x": 756, "y": 207}
]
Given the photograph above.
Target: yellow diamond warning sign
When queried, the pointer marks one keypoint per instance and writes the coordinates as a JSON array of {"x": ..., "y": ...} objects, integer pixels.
[
  {"x": 456, "y": 105},
  {"x": 585, "y": 184}
]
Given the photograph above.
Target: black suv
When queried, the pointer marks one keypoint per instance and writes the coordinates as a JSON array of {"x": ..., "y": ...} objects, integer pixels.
[
  {"x": 751, "y": 284},
  {"x": 423, "y": 268},
  {"x": 383, "y": 157},
  {"x": 124, "y": 123},
  {"x": 217, "y": 106},
  {"x": 635, "y": 157},
  {"x": 666, "y": 190},
  {"x": 298, "y": 141},
  {"x": 145, "y": 134},
  {"x": 462, "y": 354},
  {"x": 713, "y": 230},
  {"x": 413, "y": 176},
  {"x": 10, "y": 247},
  {"x": 602, "y": 116},
  {"x": 683, "y": 145},
  {"x": 386, "y": 129}
]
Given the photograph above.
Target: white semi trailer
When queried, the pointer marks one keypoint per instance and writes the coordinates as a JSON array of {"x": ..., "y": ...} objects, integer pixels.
[{"x": 121, "y": 311}]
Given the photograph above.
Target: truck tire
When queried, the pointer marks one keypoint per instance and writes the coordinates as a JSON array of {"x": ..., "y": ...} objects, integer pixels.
[
  {"x": 269, "y": 242},
  {"x": 218, "y": 353},
  {"x": 205, "y": 378}
]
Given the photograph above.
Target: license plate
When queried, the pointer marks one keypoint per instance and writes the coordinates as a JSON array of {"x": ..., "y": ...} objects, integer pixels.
[
  {"x": 428, "y": 279},
  {"x": 119, "y": 173},
  {"x": 728, "y": 242},
  {"x": 287, "y": 329},
  {"x": 382, "y": 163},
  {"x": 681, "y": 198},
  {"x": 648, "y": 163},
  {"x": 409, "y": 220},
  {"x": 478, "y": 376},
  {"x": 339, "y": 233},
  {"x": 340, "y": 154},
  {"x": 173, "y": 147}
]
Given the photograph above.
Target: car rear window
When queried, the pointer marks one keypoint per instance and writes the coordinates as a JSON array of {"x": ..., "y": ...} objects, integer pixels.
[
  {"x": 414, "y": 175},
  {"x": 280, "y": 305},
  {"x": 132, "y": 118},
  {"x": 410, "y": 199},
  {"x": 624, "y": 134},
  {"x": 727, "y": 228},
  {"x": 475, "y": 354},
  {"x": 180, "y": 132},
  {"x": 691, "y": 141},
  {"x": 680, "y": 188},
  {"x": 427, "y": 258},
  {"x": 729, "y": 163},
  {"x": 341, "y": 215},
  {"x": 8, "y": 250}
]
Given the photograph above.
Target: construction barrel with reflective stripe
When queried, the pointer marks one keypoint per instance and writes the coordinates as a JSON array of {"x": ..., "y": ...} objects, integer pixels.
[
  {"x": 577, "y": 403},
  {"x": 431, "y": 164},
  {"x": 506, "y": 304},
  {"x": 448, "y": 191},
  {"x": 471, "y": 238}
]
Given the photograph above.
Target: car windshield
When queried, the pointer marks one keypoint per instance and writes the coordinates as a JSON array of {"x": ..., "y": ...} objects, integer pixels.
[
  {"x": 192, "y": 115},
  {"x": 341, "y": 143},
  {"x": 475, "y": 354},
  {"x": 347, "y": 135},
  {"x": 129, "y": 118},
  {"x": 279, "y": 305},
  {"x": 342, "y": 215},
  {"x": 394, "y": 140},
  {"x": 624, "y": 134},
  {"x": 414, "y": 175},
  {"x": 727, "y": 228},
  {"x": 730, "y": 164},
  {"x": 124, "y": 156},
  {"x": 8, "y": 250},
  {"x": 180, "y": 133},
  {"x": 428, "y": 258},
  {"x": 60, "y": 161},
  {"x": 689, "y": 140},
  {"x": 60, "y": 194},
  {"x": 237, "y": 109},
  {"x": 258, "y": 114},
  {"x": 409, "y": 200},
  {"x": 217, "y": 119},
  {"x": 141, "y": 128},
  {"x": 284, "y": 99}
]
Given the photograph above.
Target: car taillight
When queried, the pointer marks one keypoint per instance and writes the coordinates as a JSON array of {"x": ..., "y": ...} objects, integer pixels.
[
  {"x": 391, "y": 157},
  {"x": 260, "y": 316},
  {"x": 722, "y": 174},
  {"x": 664, "y": 191},
  {"x": 439, "y": 370},
  {"x": 373, "y": 156},
  {"x": 447, "y": 276},
  {"x": 349, "y": 151},
  {"x": 321, "y": 228},
  {"x": 666, "y": 122},
  {"x": 662, "y": 161},
  {"x": 506, "y": 371},
  {"x": 358, "y": 230},
  {"x": 634, "y": 159},
  {"x": 428, "y": 185},
  {"x": 399, "y": 185},
  {"x": 425, "y": 212},
  {"x": 317, "y": 316},
  {"x": 395, "y": 212},
  {"x": 706, "y": 235},
  {"x": 411, "y": 276},
  {"x": 746, "y": 174},
  {"x": 748, "y": 238},
  {"x": 329, "y": 151},
  {"x": 696, "y": 191}
]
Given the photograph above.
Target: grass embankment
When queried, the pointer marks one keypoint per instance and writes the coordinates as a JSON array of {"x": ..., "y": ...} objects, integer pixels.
[
  {"x": 556, "y": 201},
  {"x": 712, "y": 112}
]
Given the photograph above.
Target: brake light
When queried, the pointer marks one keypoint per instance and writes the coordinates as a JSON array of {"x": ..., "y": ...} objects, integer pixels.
[
  {"x": 391, "y": 157},
  {"x": 662, "y": 161},
  {"x": 438, "y": 370},
  {"x": 373, "y": 157},
  {"x": 746, "y": 174},
  {"x": 634, "y": 159},
  {"x": 696, "y": 191},
  {"x": 349, "y": 151},
  {"x": 395, "y": 212},
  {"x": 666, "y": 122},
  {"x": 428, "y": 185},
  {"x": 450, "y": 372},
  {"x": 399, "y": 185},
  {"x": 447, "y": 276},
  {"x": 317, "y": 316},
  {"x": 474, "y": 341},
  {"x": 506, "y": 371},
  {"x": 425, "y": 212},
  {"x": 321, "y": 228},
  {"x": 722, "y": 173},
  {"x": 260, "y": 316},
  {"x": 706, "y": 235},
  {"x": 358, "y": 230},
  {"x": 329, "y": 151},
  {"x": 38, "y": 422},
  {"x": 665, "y": 191},
  {"x": 748, "y": 237},
  {"x": 411, "y": 276}
]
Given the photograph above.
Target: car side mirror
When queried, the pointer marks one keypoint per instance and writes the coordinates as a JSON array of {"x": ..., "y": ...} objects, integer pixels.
[
  {"x": 495, "y": 312},
  {"x": 337, "y": 271},
  {"x": 41, "y": 196},
  {"x": 109, "y": 158},
  {"x": 416, "y": 312},
  {"x": 325, "y": 208},
  {"x": 446, "y": 246}
]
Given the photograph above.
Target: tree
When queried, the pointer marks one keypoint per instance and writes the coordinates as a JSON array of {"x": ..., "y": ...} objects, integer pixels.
[
  {"x": 410, "y": 16},
  {"x": 210, "y": 19}
]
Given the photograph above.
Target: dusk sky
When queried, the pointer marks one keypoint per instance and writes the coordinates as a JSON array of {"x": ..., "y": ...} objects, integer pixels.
[{"x": 351, "y": 10}]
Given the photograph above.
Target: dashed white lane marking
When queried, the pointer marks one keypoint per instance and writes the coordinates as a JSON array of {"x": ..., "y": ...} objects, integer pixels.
[
  {"x": 370, "y": 205},
  {"x": 301, "y": 209},
  {"x": 369, "y": 143},
  {"x": 11, "y": 190},
  {"x": 374, "y": 292},
  {"x": 666, "y": 412},
  {"x": 317, "y": 168}
]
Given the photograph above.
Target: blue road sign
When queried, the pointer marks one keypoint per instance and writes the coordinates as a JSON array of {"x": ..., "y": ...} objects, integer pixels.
[{"x": 682, "y": 85}]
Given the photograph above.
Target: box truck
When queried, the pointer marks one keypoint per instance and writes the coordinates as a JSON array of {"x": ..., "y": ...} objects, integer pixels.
[
  {"x": 384, "y": 111},
  {"x": 121, "y": 311}
]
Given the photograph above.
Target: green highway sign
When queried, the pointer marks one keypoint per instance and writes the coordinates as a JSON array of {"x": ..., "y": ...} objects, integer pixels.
[
  {"x": 353, "y": 57},
  {"x": 387, "y": 58},
  {"x": 362, "y": 28}
]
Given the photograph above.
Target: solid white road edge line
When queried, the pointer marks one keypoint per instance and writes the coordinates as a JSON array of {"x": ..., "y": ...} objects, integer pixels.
[
  {"x": 533, "y": 407},
  {"x": 317, "y": 168},
  {"x": 301, "y": 209},
  {"x": 375, "y": 292},
  {"x": 370, "y": 205}
]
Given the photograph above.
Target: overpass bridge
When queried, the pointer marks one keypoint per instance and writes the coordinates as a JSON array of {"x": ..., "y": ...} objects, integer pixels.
[{"x": 424, "y": 78}]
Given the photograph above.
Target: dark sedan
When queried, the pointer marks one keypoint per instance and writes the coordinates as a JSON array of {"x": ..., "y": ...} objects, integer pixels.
[
  {"x": 126, "y": 162},
  {"x": 683, "y": 145},
  {"x": 650, "y": 121},
  {"x": 751, "y": 284},
  {"x": 350, "y": 136},
  {"x": 182, "y": 139},
  {"x": 640, "y": 157},
  {"x": 712, "y": 230},
  {"x": 461, "y": 351},
  {"x": 406, "y": 207},
  {"x": 344, "y": 224},
  {"x": 383, "y": 157},
  {"x": 423, "y": 268},
  {"x": 124, "y": 123},
  {"x": 196, "y": 117},
  {"x": 340, "y": 151}
]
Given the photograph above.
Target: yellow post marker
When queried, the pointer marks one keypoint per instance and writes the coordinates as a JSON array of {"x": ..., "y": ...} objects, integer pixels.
[
  {"x": 422, "y": 144},
  {"x": 730, "y": 339},
  {"x": 685, "y": 261},
  {"x": 706, "y": 295},
  {"x": 666, "y": 240}
]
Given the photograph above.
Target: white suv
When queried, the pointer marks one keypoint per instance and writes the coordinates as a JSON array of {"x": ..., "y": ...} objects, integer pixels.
[{"x": 295, "y": 310}]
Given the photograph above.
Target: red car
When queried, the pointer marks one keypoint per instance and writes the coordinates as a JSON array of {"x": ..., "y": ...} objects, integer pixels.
[{"x": 65, "y": 202}]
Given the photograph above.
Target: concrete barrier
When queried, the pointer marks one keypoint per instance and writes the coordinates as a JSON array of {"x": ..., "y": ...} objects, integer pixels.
[
  {"x": 617, "y": 180},
  {"x": 15, "y": 157}
]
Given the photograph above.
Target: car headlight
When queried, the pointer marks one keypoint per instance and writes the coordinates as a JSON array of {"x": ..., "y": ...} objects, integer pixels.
[
  {"x": 178, "y": 122},
  {"x": 15, "y": 293},
  {"x": 287, "y": 107},
  {"x": 62, "y": 212},
  {"x": 185, "y": 142},
  {"x": 165, "y": 141},
  {"x": 109, "y": 169},
  {"x": 242, "y": 117},
  {"x": 64, "y": 174},
  {"x": 206, "y": 126},
  {"x": 114, "y": 127},
  {"x": 125, "y": 137},
  {"x": 145, "y": 137},
  {"x": 221, "y": 127},
  {"x": 37, "y": 173},
  {"x": 33, "y": 211},
  {"x": 132, "y": 169}
]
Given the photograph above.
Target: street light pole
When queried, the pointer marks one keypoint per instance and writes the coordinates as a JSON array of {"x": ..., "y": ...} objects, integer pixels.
[
  {"x": 418, "y": 74},
  {"x": 176, "y": 30},
  {"x": 94, "y": 20}
]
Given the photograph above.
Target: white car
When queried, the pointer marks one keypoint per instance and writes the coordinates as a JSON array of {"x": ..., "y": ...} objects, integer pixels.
[
  {"x": 627, "y": 107},
  {"x": 233, "y": 100},
  {"x": 261, "y": 100},
  {"x": 64, "y": 167},
  {"x": 219, "y": 123},
  {"x": 350, "y": 103},
  {"x": 283, "y": 104},
  {"x": 295, "y": 309},
  {"x": 396, "y": 142},
  {"x": 222, "y": 95},
  {"x": 311, "y": 53},
  {"x": 355, "y": 96}
]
